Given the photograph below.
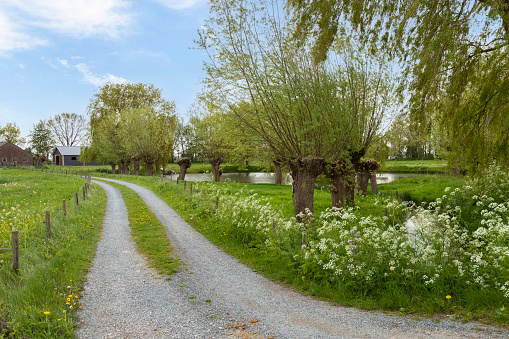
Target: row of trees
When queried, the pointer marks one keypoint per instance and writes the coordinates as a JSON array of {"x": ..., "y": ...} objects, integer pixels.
[
  {"x": 131, "y": 124},
  {"x": 313, "y": 118},
  {"x": 311, "y": 86}
]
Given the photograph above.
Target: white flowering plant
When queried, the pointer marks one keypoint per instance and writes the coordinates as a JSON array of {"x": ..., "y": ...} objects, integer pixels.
[{"x": 457, "y": 244}]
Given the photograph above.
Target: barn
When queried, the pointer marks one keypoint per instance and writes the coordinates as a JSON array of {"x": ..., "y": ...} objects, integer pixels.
[
  {"x": 69, "y": 156},
  {"x": 12, "y": 155}
]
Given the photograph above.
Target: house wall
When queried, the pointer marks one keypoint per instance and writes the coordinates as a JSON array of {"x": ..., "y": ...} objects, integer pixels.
[
  {"x": 12, "y": 155},
  {"x": 70, "y": 160}
]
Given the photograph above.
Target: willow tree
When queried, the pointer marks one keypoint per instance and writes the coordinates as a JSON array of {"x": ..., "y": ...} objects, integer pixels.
[
  {"x": 109, "y": 103},
  {"x": 108, "y": 146},
  {"x": 309, "y": 115},
  {"x": 184, "y": 163},
  {"x": 211, "y": 139},
  {"x": 147, "y": 134},
  {"x": 454, "y": 54}
]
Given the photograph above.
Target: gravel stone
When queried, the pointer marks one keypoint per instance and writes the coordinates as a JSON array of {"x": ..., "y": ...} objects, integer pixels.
[{"x": 215, "y": 296}]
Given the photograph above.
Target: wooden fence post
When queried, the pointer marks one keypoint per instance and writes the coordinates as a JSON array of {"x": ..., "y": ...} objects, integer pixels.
[
  {"x": 191, "y": 188},
  {"x": 63, "y": 207},
  {"x": 84, "y": 193},
  {"x": 162, "y": 177},
  {"x": 15, "y": 250},
  {"x": 76, "y": 198},
  {"x": 48, "y": 224},
  {"x": 185, "y": 184},
  {"x": 217, "y": 201}
]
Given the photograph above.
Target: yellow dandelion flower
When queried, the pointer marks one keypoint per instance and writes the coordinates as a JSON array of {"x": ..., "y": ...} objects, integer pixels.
[
  {"x": 47, "y": 313},
  {"x": 448, "y": 297}
]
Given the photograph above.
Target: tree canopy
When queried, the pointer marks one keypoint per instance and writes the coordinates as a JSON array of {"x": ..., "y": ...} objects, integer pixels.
[
  {"x": 131, "y": 122},
  {"x": 12, "y": 133},
  {"x": 113, "y": 98},
  {"x": 454, "y": 53},
  {"x": 41, "y": 139},
  {"x": 68, "y": 128}
]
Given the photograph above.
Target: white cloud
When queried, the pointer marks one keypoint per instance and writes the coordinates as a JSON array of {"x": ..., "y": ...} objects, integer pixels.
[
  {"x": 12, "y": 38},
  {"x": 76, "y": 18},
  {"x": 180, "y": 4},
  {"x": 63, "y": 62},
  {"x": 97, "y": 80}
]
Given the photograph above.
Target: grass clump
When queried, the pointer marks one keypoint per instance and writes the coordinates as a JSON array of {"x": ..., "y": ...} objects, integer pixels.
[
  {"x": 422, "y": 189},
  {"x": 148, "y": 233},
  {"x": 40, "y": 301}
]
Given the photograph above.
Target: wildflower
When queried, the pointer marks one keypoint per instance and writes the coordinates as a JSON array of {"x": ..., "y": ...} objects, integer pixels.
[
  {"x": 46, "y": 312},
  {"x": 448, "y": 297}
]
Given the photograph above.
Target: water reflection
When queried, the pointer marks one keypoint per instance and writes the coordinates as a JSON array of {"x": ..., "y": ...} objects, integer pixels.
[
  {"x": 268, "y": 178},
  {"x": 385, "y": 178}
]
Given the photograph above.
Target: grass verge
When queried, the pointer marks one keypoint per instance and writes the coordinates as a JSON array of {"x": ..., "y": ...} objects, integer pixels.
[
  {"x": 40, "y": 301},
  {"x": 148, "y": 233}
]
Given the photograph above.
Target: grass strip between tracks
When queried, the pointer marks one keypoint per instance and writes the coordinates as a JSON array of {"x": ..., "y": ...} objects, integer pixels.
[{"x": 148, "y": 233}]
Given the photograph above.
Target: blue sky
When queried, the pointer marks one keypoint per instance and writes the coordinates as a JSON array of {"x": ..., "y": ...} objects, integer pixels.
[{"x": 55, "y": 54}]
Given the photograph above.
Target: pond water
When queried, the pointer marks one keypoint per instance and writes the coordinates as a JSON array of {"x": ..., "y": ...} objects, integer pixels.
[{"x": 268, "y": 178}]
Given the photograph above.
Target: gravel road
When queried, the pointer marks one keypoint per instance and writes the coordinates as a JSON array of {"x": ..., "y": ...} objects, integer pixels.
[{"x": 215, "y": 296}]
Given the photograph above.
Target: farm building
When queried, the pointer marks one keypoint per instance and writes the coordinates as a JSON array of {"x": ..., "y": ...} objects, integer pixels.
[
  {"x": 69, "y": 156},
  {"x": 12, "y": 155}
]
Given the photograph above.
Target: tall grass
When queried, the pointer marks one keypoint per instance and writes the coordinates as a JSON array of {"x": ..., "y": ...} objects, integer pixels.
[
  {"x": 26, "y": 195},
  {"x": 40, "y": 300}
]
